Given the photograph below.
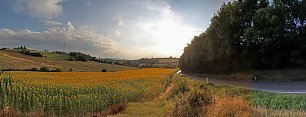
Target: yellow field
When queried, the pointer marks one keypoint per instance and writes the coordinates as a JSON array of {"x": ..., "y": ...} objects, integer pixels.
[
  {"x": 81, "y": 79},
  {"x": 79, "y": 92}
]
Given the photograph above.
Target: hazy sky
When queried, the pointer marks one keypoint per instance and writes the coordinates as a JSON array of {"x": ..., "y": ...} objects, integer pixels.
[{"x": 106, "y": 28}]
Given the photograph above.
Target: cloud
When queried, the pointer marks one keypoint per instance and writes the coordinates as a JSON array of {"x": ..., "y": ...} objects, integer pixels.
[
  {"x": 75, "y": 39},
  {"x": 117, "y": 33},
  {"x": 52, "y": 23},
  {"x": 39, "y": 8},
  {"x": 164, "y": 33},
  {"x": 121, "y": 24}
]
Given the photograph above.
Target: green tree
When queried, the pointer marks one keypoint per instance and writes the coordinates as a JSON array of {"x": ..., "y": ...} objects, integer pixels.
[{"x": 250, "y": 34}]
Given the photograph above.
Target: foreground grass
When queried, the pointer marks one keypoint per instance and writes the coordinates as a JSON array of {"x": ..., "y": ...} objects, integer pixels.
[
  {"x": 155, "y": 108},
  {"x": 193, "y": 98}
]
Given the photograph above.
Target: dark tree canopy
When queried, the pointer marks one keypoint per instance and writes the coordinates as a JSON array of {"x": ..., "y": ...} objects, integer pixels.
[{"x": 248, "y": 35}]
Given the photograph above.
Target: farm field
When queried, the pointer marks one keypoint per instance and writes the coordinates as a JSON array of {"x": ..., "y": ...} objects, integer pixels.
[
  {"x": 150, "y": 92},
  {"x": 14, "y": 60},
  {"x": 79, "y": 93}
]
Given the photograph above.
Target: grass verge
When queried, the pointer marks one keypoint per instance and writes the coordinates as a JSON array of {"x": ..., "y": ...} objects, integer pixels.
[{"x": 191, "y": 98}]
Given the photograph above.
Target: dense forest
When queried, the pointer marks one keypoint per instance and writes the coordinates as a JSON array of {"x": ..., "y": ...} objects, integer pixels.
[{"x": 250, "y": 35}]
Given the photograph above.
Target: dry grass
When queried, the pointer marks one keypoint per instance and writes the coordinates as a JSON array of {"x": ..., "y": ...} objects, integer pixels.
[
  {"x": 115, "y": 109},
  {"x": 20, "y": 61},
  {"x": 230, "y": 107}
]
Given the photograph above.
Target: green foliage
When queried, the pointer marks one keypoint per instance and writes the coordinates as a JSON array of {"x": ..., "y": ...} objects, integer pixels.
[
  {"x": 26, "y": 51},
  {"x": 181, "y": 86},
  {"x": 57, "y": 70},
  {"x": 250, "y": 34},
  {"x": 36, "y": 54},
  {"x": 44, "y": 69},
  {"x": 278, "y": 101},
  {"x": 78, "y": 56},
  {"x": 190, "y": 102},
  {"x": 262, "y": 99},
  {"x": 71, "y": 58},
  {"x": 35, "y": 69}
]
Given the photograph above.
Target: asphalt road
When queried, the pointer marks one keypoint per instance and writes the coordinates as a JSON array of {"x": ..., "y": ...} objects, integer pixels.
[{"x": 298, "y": 87}]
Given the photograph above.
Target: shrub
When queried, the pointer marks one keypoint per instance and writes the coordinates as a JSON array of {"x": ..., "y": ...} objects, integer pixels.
[
  {"x": 44, "y": 69},
  {"x": 1, "y": 72},
  {"x": 103, "y": 70},
  {"x": 115, "y": 109},
  {"x": 35, "y": 69},
  {"x": 57, "y": 70},
  {"x": 25, "y": 51},
  {"x": 192, "y": 104},
  {"x": 180, "y": 87},
  {"x": 36, "y": 54},
  {"x": 71, "y": 58},
  {"x": 81, "y": 58},
  {"x": 230, "y": 107}
]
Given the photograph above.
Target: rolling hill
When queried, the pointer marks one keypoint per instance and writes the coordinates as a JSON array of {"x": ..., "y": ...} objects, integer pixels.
[{"x": 14, "y": 60}]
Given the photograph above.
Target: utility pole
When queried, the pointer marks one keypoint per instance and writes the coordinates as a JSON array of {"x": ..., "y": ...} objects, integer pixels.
[{"x": 64, "y": 48}]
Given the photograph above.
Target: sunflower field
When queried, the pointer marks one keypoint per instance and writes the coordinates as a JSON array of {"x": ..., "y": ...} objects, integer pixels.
[{"x": 62, "y": 93}]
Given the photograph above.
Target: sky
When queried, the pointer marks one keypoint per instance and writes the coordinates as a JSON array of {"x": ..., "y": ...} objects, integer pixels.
[{"x": 127, "y": 29}]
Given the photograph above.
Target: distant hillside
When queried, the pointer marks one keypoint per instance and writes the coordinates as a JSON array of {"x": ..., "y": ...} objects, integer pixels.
[
  {"x": 153, "y": 62},
  {"x": 15, "y": 60}
]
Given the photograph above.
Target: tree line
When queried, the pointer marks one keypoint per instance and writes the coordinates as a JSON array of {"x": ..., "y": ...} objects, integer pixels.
[{"x": 250, "y": 35}]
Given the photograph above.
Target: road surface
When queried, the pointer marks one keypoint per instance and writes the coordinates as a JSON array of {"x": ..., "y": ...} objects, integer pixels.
[{"x": 298, "y": 87}]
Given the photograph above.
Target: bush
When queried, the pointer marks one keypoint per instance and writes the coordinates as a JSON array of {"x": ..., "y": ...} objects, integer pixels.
[
  {"x": 71, "y": 58},
  {"x": 36, "y": 54},
  {"x": 81, "y": 58},
  {"x": 57, "y": 70},
  {"x": 44, "y": 69},
  {"x": 35, "y": 69},
  {"x": 25, "y": 51},
  {"x": 192, "y": 104},
  {"x": 180, "y": 87},
  {"x": 1, "y": 72},
  {"x": 230, "y": 107},
  {"x": 103, "y": 70}
]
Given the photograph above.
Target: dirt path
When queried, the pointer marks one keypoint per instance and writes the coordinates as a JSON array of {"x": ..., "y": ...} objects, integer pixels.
[
  {"x": 167, "y": 91},
  {"x": 159, "y": 107}
]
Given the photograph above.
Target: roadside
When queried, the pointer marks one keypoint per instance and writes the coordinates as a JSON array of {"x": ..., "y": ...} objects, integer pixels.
[
  {"x": 269, "y": 86},
  {"x": 293, "y": 74},
  {"x": 186, "y": 96}
]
